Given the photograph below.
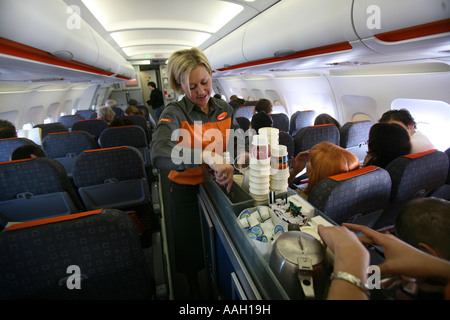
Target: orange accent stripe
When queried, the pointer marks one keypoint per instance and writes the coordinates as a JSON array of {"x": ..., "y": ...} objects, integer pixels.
[
  {"x": 95, "y": 150},
  {"x": 422, "y": 30},
  {"x": 64, "y": 132},
  {"x": 20, "y": 50},
  {"x": 39, "y": 222},
  {"x": 321, "y": 125},
  {"x": 354, "y": 173},
  {"x": 12, "y": 161},
  {"x": 336, "y": 47},
  {"x": 419, "y": 154}
]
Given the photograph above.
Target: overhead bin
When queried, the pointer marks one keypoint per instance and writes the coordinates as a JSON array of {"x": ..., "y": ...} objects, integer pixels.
[
  {"x": 292, "y": 26},
  {"x": 52, "y": 27},
  {"x": 288, "y": 30},
  {"x": 391, "y": 27}
]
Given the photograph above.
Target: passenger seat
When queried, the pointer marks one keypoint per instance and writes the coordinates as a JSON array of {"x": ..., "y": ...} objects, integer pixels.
[
  {"x": 413, "y": 176},
  {"x": 358, "y": 196},
  {"x": 35, "y": 188},
  {"x": 90, "y": 255},
  {"x": 308, "y": 137},
  {"x": 65, "y": 146},
  {"x": 8, "y": 145},
  {"x": 354, "y": 137}
]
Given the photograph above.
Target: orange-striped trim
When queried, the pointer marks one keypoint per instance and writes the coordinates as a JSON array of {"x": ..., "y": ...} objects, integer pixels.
[
  {"x": 422, "y": 30},
  {"x": 39, "y": 222},
  {"x": 354, "y": 121},
  {"x": 354, "y": 173},
  {"x": 336, "y": 47},
  {"x": 102, "y": 149},
  {"x": 13, "y": 161},
  {"x": 321, "y": 125},
  {"x": 20, "y": 50},
  {"x": 63, "y": 132},
  {"x": 419, "y": 154}
]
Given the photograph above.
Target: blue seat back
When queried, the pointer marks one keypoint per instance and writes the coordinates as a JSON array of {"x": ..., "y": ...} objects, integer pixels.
[
  {"x": 350, "y": 196},
  {"x": 102, "y": 245},
  {"x": 416, "y": 175},
  {"x": 27, "y": 183},
  {"x": 93, "y": 126},
  {"x": 111, "y": 178},
  {"x": 301, "y": 119},
  {"x": 54, "y": 127},
  {"x": 69, "y": 120},
  {"x": 7, "y": 146},
  {"x": 280, "y": 121},
  {"x": 308, "y": 137},
  {"x": 354, "y": 133}
]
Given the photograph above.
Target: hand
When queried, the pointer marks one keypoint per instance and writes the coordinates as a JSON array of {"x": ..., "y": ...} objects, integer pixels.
[
  {"x": 300, "y": 160},
  {"x": 349, "y": 253},
  {"x": 224, "y": 175},
  {"x": 402, "y": 258}
]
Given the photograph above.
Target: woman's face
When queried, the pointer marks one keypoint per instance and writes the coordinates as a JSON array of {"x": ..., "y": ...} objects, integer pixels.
[{"x": 199, "y": 88}]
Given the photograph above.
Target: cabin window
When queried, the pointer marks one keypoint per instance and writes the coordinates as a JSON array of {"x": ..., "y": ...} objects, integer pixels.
[
  {"x": 48, "y": 120},
  {"x": 53, "y": 111},
  {"x": 11, "y": 116},
  {"x": 257, "y": 94},
  {"x": 28, "y": 126},
  {"x": 432, "y": 118},
  {"x": 67, "y": 108},
  {"x": 356, "y": 108},
  {"x": 34, "y": 115}
]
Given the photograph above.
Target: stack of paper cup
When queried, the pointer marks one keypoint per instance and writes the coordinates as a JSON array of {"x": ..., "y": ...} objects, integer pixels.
[
  {"x": 279, "y": 169},
  {"x": 259, "y": 185},
  {"x": 271, "y": 134}
]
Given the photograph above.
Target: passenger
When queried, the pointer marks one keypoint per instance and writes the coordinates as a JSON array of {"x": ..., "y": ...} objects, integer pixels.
[
  {"x": 156, "y": 100},
  {"x": 237, "y": 103},
  {"x": 113, "y": 105},
  {"x": 133, "y": 111},
  {"x": 27, "y": 151},
  {"x": 7, "y": 130},
  {"x": 120, "y": 122},
  {"x": 387, "y": 141},
  {"x": 107, "y": 114},
  {"x": 351, "y": 258},
  {"x": 233, "y": 97},
  {"x": 218, "y": 96},
  {"x": 425, "y": 224},
  {"x": 264, "y": 105},
  {"x": 323, "y": 160},
  {"x": 260, "y": 120},
  {"x": 190, "y": 73},
  {"x": 404, "y": 118},
  {"x": 325, "y": 118}
]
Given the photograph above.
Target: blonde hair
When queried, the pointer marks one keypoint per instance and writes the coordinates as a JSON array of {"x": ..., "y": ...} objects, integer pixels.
[
  {"x": 327, "y": 159},
  {"x": 132, "y": 110},
  {"x": 180, "y": 65},
  {"x": 106, "y": 113}
]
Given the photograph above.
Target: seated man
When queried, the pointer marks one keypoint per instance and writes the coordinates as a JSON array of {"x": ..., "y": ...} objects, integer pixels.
[
  {"x": 7, "y": 130},
  {"x": 425, "y": 224}
]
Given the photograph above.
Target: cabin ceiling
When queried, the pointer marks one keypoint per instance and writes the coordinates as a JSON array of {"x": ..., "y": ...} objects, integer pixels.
[{"x": 146, "y": 30}]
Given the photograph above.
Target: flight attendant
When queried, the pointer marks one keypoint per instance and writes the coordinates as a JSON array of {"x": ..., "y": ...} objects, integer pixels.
[{"x": 191, "y": 135}]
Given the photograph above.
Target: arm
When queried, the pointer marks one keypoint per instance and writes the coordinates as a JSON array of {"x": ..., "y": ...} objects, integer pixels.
[
  {"x": 298, "y": 164},
  {"x": 350, "y": 256},
  {"x": 403, "y": 259}
]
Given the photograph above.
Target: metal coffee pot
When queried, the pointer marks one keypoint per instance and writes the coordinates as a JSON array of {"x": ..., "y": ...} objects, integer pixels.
[{"x": 298, "y": 260}]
